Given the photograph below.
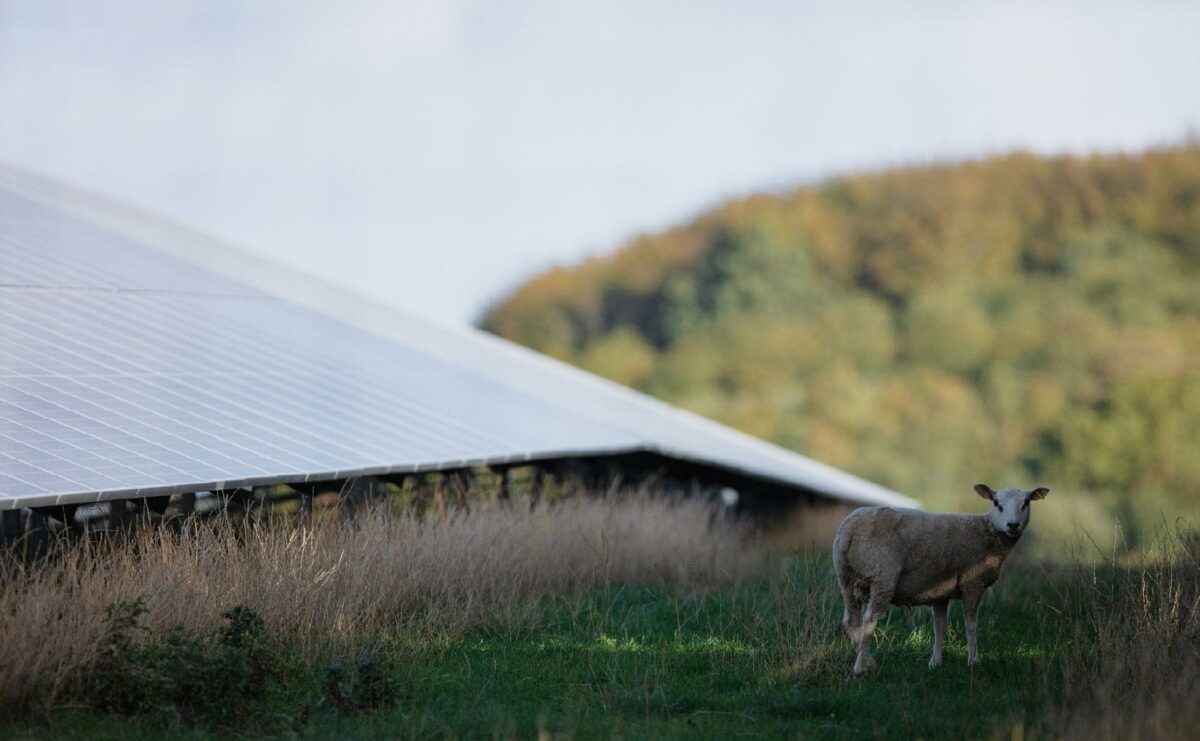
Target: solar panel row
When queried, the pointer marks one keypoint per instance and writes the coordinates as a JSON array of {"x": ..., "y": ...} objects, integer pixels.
[
  {"x": 143, "y": 374},
  {"x": 138, "y": 359}
]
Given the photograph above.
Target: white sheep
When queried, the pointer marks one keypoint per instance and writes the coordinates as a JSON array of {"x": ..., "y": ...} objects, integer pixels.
[{"x": 884, "y": 555}]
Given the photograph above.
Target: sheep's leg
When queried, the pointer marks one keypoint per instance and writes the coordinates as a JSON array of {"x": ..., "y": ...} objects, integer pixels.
[
  {"x": 940, "y": 609},
  {"x": 852, "y": 613},
  {"x": 852, "y": 617},
  {"x": 876, "y": 607},
  {"x": 970, "y": 610}
]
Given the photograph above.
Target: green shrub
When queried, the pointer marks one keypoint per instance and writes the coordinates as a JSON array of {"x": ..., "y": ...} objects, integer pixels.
[
  {"x": 368, "y": 685},
  {"x": 183, "y": 677}
]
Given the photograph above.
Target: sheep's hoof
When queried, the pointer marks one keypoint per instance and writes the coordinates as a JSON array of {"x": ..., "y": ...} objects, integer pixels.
[
  {"x": 864, "y": 665},
  {"x": 935, "y": 662}
]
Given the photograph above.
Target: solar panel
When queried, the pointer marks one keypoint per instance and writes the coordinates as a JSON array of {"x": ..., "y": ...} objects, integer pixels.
[{"x": 127, "y": 370}]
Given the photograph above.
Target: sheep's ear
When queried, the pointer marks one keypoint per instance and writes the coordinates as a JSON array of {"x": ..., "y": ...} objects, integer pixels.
[
  {"x": 1039, "y": 493},
  {"x": 984, "y": 491}
]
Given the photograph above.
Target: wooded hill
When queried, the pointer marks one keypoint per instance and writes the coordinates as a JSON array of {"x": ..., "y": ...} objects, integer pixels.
[{"x": 1015, "y": 320}]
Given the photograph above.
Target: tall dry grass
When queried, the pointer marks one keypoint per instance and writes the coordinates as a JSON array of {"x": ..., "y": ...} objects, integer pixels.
[
  {"x": 804, "y": 635},
  {"x": 331, "y": 588},
  {"x": 1132, "y": 666}
]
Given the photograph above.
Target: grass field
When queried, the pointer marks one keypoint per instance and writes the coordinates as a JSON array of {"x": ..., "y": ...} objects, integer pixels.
[{"x": 1102, "y": 651}]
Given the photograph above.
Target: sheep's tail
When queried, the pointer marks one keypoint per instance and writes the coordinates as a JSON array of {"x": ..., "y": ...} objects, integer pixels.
[{"x": 841, "y": 548}]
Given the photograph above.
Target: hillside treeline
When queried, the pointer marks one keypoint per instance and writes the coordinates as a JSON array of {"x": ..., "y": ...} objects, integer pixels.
[{"x": 1017, "y": 319}]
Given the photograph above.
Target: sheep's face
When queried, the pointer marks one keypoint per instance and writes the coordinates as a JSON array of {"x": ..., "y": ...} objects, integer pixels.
[{"x": 1010, "y": 507}]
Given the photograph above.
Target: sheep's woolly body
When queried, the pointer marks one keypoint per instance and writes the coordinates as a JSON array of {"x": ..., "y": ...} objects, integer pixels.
[
  {"x": 921, "y": 557},
  {"x": 885, "y": 556}
]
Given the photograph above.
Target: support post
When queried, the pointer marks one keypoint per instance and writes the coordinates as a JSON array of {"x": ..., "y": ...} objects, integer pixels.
[
  {"x": 185, "y": 507},
  {"x": 354, "y": 495},
  {"x": 539, "y": 483},
  {"x": 117, "y": 519},
  {"x": 306, "y": 493},
  {"x": 609, "y": 477},
  {"x": 37, "y": 536},
  {"x": 263, "y": 500},
  {"x": 10, "y": 540},
  {"x": 502, "y": 493},
  {"x": 241, "y": 499}
]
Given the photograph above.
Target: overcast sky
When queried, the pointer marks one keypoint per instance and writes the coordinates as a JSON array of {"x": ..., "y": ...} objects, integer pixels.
[{"x": 432, "y": 154}]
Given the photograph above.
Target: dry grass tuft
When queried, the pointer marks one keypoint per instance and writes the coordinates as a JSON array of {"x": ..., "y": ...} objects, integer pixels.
[
  {"x": 806, "y": 636},
  {"x": 1134, "y": 648},
  {"x": 331, "y": 588}
]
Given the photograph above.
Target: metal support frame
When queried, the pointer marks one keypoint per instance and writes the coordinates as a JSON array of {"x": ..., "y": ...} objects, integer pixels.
[
  {"x": 24, "y": 535},
  {"x": 262, "y": 501},
  {"x": 306, "y": 493},
  {"x": 355, "y": 494},
  {"x": 10, "y": 540},
  {"x": 37, "y": 536},
  {"x": 118, "y": 516},
  {"x": 501, "y": 473}
]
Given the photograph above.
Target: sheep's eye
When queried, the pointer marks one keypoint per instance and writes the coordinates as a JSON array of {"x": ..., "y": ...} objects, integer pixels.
[
  {"x": 999, "y": 506},
  {"x": 1025, "y": 504}
]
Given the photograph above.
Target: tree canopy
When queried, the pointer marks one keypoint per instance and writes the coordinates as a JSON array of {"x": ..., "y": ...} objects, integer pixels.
[{"x": 1013, "y": 319}]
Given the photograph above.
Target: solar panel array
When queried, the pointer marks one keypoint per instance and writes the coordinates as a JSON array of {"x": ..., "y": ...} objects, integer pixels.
[{"x": 126, "y": 370}]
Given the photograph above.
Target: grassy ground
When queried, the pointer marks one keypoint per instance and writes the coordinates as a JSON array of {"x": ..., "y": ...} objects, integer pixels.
[
  {"x": 591, "y": 619},
  {"x": 663, "y": 663}
]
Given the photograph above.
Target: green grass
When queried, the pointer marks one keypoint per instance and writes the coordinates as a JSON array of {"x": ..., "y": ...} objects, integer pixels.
[{"x": 766, "y": 659}]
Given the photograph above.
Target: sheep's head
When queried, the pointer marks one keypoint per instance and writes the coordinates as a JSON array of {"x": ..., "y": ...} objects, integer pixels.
[{"x": 1010, "y": 507}]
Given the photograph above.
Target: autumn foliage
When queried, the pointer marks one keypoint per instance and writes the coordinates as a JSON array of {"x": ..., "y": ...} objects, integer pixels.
[{"x": 1013, "y": 319}]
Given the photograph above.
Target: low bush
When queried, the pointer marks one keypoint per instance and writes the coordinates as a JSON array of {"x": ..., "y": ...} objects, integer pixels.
[
  {"x": 180, "y": 676},
  {"x": 366, "y": 685}
]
